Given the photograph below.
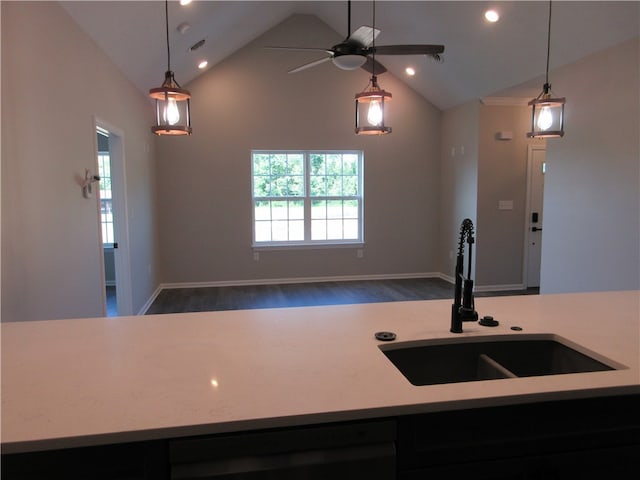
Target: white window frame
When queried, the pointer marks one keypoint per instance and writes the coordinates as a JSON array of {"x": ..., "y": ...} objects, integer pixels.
[{"x": 306, "y": 198}]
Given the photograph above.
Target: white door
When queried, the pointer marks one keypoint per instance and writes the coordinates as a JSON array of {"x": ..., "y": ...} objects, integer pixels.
[{"x": 535, "y": 192}]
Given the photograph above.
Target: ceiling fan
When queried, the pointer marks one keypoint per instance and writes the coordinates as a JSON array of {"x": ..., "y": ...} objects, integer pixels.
[{"x": 355, "y": 50}]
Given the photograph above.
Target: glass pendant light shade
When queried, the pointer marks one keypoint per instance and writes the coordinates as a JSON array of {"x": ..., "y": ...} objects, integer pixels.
[
  {"x": 371, "y": 105},
  {"x": 173, "y": 115},
  {"x": 547, "y": 115}
]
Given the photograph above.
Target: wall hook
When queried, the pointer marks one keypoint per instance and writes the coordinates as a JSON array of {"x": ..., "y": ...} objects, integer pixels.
[{"x": 87, "y": 184}]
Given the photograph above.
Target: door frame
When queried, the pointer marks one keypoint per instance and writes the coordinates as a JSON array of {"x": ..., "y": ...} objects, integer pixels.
[
  {"x": 121, "y": 221},
  {"x": 528, "y": 211}
]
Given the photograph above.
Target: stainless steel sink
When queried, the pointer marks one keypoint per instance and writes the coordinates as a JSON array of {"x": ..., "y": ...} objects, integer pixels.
[{"x": 471, "y": 359}]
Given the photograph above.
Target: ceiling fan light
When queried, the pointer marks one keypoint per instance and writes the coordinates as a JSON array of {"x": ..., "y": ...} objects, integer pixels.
[{"x": 349, "y": 62}]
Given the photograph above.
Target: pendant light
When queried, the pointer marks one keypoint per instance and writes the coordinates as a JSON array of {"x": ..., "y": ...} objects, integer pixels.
[
  {"x": 173, "y": 115},
  {"x": 547, "y": 114},
  {"x": 371, "y": 102}
]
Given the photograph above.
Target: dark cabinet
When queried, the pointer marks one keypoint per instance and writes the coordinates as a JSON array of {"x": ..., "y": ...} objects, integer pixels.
[
  {"x": 574, "y": 439},
  {"x": 579, "y": 439},
  {"x": 123, "y": 461}
]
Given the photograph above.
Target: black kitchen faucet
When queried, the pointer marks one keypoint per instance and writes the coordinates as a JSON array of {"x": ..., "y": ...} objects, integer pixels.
[{"x": 463, "y": 309}]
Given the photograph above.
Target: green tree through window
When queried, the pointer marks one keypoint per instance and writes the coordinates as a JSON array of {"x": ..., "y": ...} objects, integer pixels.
[{"x": 307, "y": 197}]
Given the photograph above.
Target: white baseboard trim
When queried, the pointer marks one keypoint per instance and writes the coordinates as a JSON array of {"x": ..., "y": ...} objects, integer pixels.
[
  {"x": 496, "y": 288},
  {"x": 149, "y": 302},
  {"x": 447, "y": 278},
  {"x": 275, "y": 281},
  {"x": 487, "y": 288}
]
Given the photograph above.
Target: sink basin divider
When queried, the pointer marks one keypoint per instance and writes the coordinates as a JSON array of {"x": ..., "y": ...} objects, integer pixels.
[{"x": 488, "y": 367}]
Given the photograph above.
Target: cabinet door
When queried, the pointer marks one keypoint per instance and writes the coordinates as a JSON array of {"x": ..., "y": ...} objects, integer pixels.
[
  {"x": 127, "y": 461},
  {"x": 563, "y": 439},
  {"x": 618, "y": 463},
  {"x": 340, "y": 451}
]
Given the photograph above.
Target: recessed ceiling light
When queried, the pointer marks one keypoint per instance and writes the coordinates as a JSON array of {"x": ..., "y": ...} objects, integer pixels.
[
  {"x": 491, "y": 16},
  {"x": 410, "y": 71},
  {"x": 185, "y": 2},
  {"x": 203, "y": 64}
]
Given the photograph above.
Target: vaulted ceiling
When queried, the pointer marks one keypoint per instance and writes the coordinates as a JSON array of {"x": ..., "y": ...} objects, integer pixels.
[{"x": 480, "y": 58}]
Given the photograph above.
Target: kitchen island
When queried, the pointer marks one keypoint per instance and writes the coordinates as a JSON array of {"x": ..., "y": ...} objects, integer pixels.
[{"x": 69, "y": 384}]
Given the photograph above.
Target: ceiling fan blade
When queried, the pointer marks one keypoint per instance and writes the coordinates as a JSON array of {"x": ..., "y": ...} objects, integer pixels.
[
  {"x": 407, "y": 49},
  {"x": 369, "y": 67},
  {"x": 364, "y": 36},
  {"x": 301, "y": 49},
  {"x": 310, "y": 64}
]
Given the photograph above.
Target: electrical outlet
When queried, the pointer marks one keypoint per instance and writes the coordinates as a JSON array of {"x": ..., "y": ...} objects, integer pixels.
[{"x": 256, "y": 256}]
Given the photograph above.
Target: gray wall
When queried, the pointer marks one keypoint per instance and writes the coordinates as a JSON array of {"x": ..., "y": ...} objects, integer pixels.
[
  {"x": 592, "y": 200},
  {"x": 591, "y": 236},
  {"x": 249, "y": 101},
  {"x": 459, "y": 179},
  {"x": 51, "y": 265},
  {"x": 502, "y": 175}
]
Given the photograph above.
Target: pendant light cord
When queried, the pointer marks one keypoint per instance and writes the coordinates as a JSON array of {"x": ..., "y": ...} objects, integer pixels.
[
  {"x": 166, "y": 17},
  {"x": 373, "y": 42},
  {"x": 548, "y": 44}
]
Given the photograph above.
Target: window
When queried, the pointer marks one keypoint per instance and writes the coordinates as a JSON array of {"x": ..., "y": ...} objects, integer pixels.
[
  {"x": 106, "y": 201},
  {"x": 307, "y": 197}
]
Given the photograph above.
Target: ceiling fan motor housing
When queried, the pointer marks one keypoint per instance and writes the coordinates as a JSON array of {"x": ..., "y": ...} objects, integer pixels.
[
  {"x": 349, "y": 62},
  {"x": 348, "y": 56}
]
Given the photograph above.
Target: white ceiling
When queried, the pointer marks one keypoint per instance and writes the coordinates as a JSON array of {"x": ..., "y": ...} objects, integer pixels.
[{"x": 480, "y": 59}]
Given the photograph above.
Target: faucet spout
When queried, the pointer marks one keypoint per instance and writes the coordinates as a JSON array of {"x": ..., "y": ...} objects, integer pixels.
[{"x": 463, "y": 308}]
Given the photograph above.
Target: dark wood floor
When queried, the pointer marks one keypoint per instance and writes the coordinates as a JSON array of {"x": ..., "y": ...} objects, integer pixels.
[{"x": 179, "y": 300}]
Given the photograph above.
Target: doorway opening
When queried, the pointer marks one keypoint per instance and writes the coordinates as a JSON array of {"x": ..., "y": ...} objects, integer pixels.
[
  {"x": 106, "y": 220},
  {"x": 113, "y": 221},
  {"x": 536, "y": 169}
]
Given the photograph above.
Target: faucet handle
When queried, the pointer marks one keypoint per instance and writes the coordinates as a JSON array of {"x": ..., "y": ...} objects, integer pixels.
[{"x": 468, "y": 314}]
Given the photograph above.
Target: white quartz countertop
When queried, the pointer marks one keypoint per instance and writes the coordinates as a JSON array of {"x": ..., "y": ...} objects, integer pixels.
[{"x": 79, "y": 382}]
